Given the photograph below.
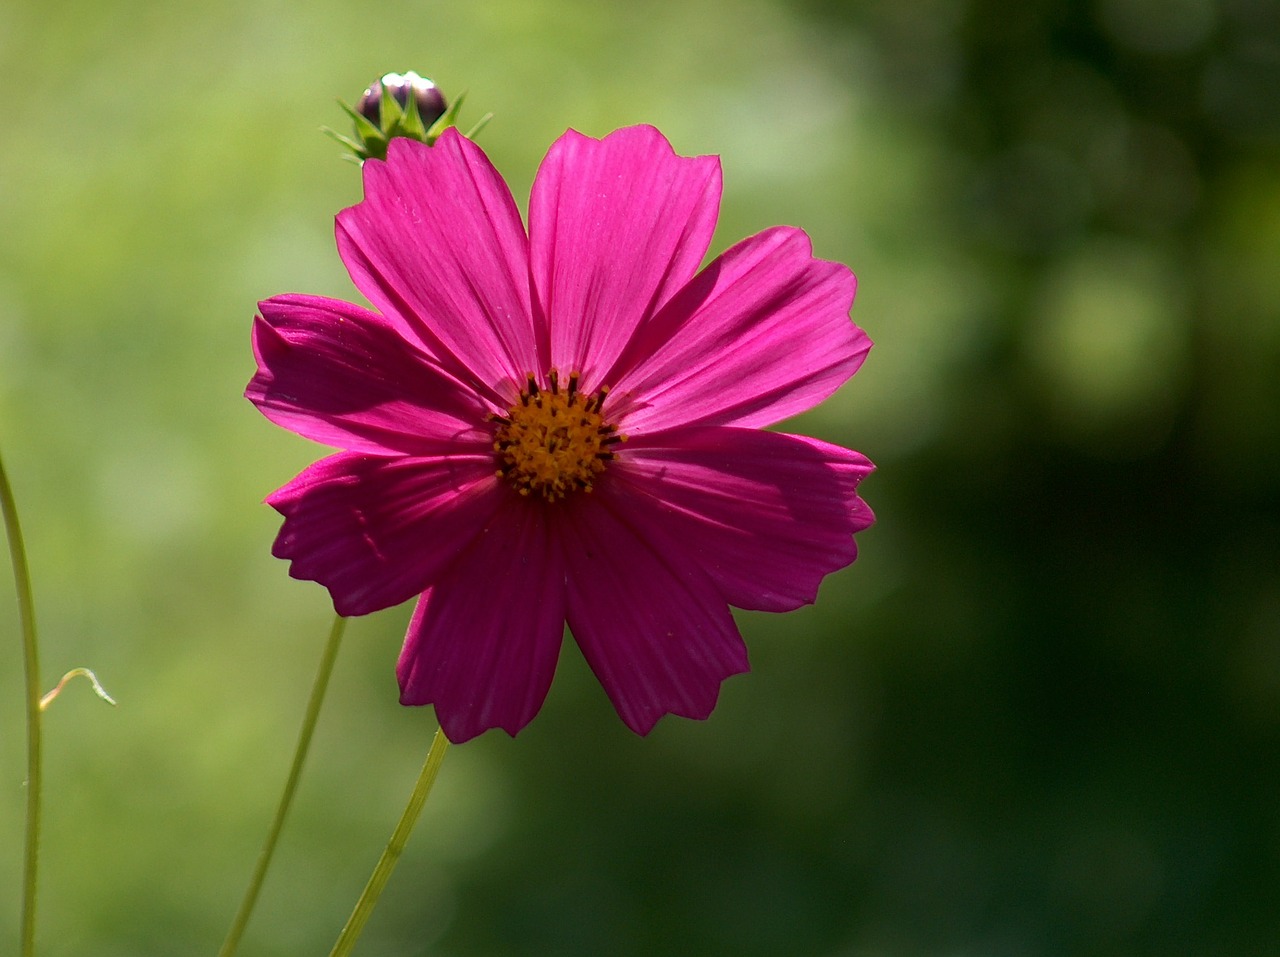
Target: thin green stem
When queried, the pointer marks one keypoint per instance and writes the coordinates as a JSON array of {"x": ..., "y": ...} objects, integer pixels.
[
  {"x": 291, "y": 785},
  {"x": 395, "y": 847},
  {"x": 31, "y": 661}
]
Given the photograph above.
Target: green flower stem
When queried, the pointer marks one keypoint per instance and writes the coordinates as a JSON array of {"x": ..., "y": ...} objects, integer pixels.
[
  {"x": 395, "y": 847},
  {"x": 31, "y": 660},
  {"x": 291, "y": 785}
]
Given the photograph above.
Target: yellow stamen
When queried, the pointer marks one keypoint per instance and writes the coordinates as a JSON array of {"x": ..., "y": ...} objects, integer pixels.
[{"x": 553, "y": 442}]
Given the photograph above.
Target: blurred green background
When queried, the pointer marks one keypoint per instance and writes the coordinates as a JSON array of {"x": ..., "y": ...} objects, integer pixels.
[{"x": 1040, "y": 715}]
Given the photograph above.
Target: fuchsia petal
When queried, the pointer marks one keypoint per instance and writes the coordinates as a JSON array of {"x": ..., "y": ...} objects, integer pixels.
[
  {"x": 344, "y": 376},
  {"x": 616, "y": 227},
  {"x": 765, "y": 515},
  {"x": 697, "y": 511},
  {"x": 651, "y": 625},
  {"x": 438, "y": 245},
  {"x": 377, "y": 531},
  {"x": 484, "y": 640},
  {"x": 761, "y": 334}
]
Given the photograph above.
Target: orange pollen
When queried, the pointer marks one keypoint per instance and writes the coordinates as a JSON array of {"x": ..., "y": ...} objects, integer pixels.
[{"x": 554, "y": 442}]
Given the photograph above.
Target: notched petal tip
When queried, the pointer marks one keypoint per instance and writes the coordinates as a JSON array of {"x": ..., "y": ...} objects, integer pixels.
[
  {"x": 651, "y": 625},
  {"x": 778, "y": 512},
  {"x": 628, "y": 193},
  {"x": 761, "y": 334},
  {"x": 356, "y": 523},
  {"x": 698, "y": 707},
  {"x": 484, "y": 640}
]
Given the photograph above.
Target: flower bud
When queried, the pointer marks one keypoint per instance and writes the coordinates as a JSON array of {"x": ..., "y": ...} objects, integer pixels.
[
  {"x": 407, "y": 105},
  {"x": 429, "y": 99}
]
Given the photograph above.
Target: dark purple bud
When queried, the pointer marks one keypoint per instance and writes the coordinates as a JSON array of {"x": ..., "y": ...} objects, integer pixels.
[{"x": 431, "y": 104}]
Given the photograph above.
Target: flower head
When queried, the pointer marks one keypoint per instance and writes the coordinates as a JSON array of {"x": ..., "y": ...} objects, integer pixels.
[{"x": 563, "y": 425}]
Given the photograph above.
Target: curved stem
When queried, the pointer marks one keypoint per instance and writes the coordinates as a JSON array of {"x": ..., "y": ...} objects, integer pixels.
[
  {"x": 395, "y": 847},
  {"x": 291, "y": 785},
  {"x": 31, "y": 662}
]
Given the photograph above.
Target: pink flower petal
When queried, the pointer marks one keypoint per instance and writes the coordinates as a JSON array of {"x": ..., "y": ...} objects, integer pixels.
[
  {"x": 437, "y": 244},
  {"x": 761, "y": 334},
  {"x": 377, "y": 531},
  {"x": 484, "y": 640},
  {"x": 767, "y": 516},
  {"x": 650, "y": 624},
  {"x": 616, "y": 227},
  {"x": 344, "y": 376}
]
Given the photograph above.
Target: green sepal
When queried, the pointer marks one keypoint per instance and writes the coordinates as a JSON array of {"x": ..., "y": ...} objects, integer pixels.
[
  {"x": 479, "y": 125},
  {"x": 372, "y": 142},
  {"x": 364, "y": 128},
  {"x": 346, "y": 141},
  {"x": 389, "y": 111},
  {"x": 410, "y": 123}
]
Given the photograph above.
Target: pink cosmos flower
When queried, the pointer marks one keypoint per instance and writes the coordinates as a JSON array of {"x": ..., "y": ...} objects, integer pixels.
[{"x": 563, "y": 426}]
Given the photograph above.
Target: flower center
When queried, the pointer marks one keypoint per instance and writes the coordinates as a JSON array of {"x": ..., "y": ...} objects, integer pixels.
[{"x": 554, "y": 442}]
